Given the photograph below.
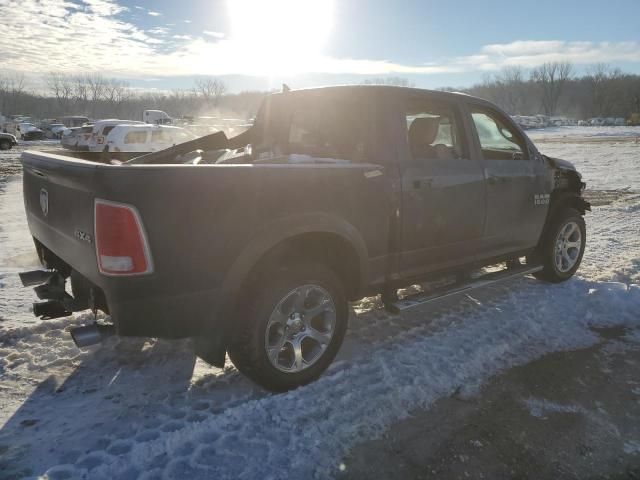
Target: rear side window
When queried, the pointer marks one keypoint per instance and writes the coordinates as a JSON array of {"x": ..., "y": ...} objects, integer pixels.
[
  {"x": 499, "y": 140},
  {"x": 161, "y": 136},
  {"x": 107, "y": 129},
  {"x": 329, "y": 129},
  {"x": 136, "y": 137},
  {"x": 434, "y": 131}
]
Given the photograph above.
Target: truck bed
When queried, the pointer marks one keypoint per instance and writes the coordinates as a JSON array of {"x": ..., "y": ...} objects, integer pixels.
[{"x": 202, "y": 222}]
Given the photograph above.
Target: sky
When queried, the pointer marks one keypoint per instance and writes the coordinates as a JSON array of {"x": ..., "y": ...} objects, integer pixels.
[{"x": 258, "y": 44}]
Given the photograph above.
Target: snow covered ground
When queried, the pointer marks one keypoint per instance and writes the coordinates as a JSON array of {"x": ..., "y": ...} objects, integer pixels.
[
  {"x": 147, "y": 409},
  {"x": 585, "y": 132}
]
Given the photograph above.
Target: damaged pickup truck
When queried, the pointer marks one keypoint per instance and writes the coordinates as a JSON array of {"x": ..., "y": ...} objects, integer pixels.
[{"x": 254, "y": 245}]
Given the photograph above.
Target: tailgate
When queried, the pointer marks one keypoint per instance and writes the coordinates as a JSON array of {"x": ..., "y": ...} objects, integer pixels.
[{"x": 59, "y": 201}]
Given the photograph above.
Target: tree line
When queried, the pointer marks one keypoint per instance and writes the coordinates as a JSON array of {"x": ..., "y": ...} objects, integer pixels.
[
  {"x": 552, "y": 89},
  {"x": 97, "y": 96}
]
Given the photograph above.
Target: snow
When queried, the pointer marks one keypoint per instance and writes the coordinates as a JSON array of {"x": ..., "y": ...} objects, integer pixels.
[
  {"x": 584, "y": 132},
  {"x": 143, "y": 408}
]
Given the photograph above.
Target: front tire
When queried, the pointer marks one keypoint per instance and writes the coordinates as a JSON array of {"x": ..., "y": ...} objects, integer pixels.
[
  {"x": 562, "y": 246},
  {"x": 291, "y": 327}
]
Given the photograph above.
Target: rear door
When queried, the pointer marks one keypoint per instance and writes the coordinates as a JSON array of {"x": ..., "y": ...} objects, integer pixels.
[
  {"x": 511, "y": 179},
  {"x": 137, "y": 140},
  {"x": 443, "y": 188}
]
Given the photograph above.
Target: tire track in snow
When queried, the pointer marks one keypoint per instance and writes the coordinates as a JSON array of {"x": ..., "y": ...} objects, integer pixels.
[{"x": 305, "y": 433}]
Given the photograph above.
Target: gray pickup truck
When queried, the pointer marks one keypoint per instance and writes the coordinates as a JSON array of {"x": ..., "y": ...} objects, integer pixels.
[{"x": 253, "y": 245}]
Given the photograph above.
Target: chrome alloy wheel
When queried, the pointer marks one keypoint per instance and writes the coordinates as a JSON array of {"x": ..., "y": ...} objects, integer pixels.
[
  {"x": 567, "y": 247},
  {"x": 300, "y": 328}
]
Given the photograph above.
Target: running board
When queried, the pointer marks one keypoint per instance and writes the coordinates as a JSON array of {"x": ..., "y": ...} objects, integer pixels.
[{"x": 461, "y": 287}]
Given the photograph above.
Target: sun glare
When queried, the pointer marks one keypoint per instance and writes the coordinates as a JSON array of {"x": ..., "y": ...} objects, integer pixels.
[{"x": 285, "y": 34}]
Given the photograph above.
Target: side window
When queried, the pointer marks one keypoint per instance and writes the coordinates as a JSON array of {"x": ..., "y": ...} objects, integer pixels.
[
  {"x": 161, "y": 136},
  {"x": 107, "y": 129},
  {"x": 433, "y": 132},
  {"x": 330, "y": 129},
  {"x": 136, "y": 136},
  {"x": 498, "y": 140}
]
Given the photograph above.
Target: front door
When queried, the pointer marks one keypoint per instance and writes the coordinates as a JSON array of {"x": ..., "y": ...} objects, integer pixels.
[
  {"x": 512, "y": 182},
  {"x": 443, "y": 189}
]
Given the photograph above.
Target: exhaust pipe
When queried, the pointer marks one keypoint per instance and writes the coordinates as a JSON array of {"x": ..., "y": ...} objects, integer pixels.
[
  {"x": 87, "y": 335},
  {"x": 35, "y": 277}
]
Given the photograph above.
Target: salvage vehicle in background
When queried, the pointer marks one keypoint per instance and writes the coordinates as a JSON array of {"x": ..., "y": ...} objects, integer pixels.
[
  {"x": 145, "y": 138},
  {"x": 254, "y": 245},
  {"x": 77, "y": 138},
  {"x": 73, "y": 121},
  {"x": 102, "y": 128},
  {"x": 7, "y": 141},
  {"x": 156, "y": 117},
  {"x": 28, "y": 131},
  {"x": 54, "y": 130}
]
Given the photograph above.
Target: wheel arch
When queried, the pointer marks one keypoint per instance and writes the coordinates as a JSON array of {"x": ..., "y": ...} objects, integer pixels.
[
  {"x": 319, "y": 237},
  {"x": 562, "y": 198}
]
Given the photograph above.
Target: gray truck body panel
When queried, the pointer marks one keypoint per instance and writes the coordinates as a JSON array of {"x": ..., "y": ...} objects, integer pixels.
[{"x": 209, "y": 225}]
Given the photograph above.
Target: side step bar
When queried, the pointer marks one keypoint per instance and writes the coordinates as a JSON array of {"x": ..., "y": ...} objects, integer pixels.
[{"x": 461, "y": 287}]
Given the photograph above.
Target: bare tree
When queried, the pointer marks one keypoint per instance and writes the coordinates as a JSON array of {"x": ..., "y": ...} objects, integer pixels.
[
  {"x": 12, "y": 88},
  {"x": 80, "y": 92},
  {"x": 116, "y": 92},
  {"x": 510, "y": 82},
  {"x": 552, "y": 78},
  {"x": 96, "y": 85},
  {"x": 601, "y": 78},
  {"x": 210, "y": 89},
  {"x": 61, "y": 87}
]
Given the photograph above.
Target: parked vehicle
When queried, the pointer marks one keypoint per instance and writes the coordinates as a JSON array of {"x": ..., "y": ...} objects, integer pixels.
[
  {"x": 77, "y": 138},
  {"x": 28, "y": 131},
  {"x": 253, "y": 245},
  {"x": 54, "y": 130},
  {"x": 145, "y": 138},
  {"x": 73, "y": 121},
  {"x": 156, "y": 117},
  {"x": 101, "y": 128},
  {"x": 7, "y": 141}
]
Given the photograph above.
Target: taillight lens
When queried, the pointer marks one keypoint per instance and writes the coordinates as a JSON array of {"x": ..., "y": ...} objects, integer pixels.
[{"x": 121, "y": 243}]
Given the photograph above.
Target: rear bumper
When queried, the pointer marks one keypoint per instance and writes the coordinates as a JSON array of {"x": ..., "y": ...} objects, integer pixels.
[{"x": 143, "y": 306}]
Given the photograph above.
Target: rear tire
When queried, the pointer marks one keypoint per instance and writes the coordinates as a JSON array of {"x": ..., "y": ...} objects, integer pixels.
[
  {"x": 291, "y": 327},
  {"x": 5, "y": 145},
  {"x": 562, "y": 246}
]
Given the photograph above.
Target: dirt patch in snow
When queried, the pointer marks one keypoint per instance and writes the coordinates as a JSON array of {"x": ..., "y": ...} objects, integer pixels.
[
  {"x": 568, "y": 415},
  {"x": 597, "y": 198}
]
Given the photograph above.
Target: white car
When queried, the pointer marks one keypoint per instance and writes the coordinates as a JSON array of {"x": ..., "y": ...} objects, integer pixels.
[
  {"x": 145, "y": 138},
  {"x": 77, "y": 138},
  {"x": 101, "y": 129}
]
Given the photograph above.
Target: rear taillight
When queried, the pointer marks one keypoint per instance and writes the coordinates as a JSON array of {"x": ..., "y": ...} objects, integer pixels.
[{"x": 121, "y": 242}]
